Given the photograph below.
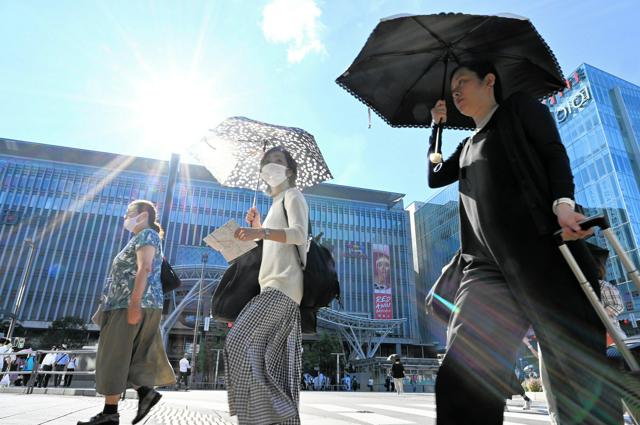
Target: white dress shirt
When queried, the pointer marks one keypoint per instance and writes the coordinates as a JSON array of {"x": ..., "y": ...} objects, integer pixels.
[{"x": 184, "y": 365}]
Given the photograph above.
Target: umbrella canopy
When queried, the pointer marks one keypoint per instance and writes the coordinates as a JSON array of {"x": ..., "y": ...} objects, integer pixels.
[
  {"x": 405, "y": 66},
  {"x": 232, "y": 152}
]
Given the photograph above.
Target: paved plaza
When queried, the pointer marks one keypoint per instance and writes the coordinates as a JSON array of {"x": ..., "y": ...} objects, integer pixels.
[{"x": 210, "y": 407}]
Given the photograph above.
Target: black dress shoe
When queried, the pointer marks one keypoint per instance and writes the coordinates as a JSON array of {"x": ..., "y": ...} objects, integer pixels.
[
  {"x": 102, "y": 419},
  {"x": 151, "y": 398}
]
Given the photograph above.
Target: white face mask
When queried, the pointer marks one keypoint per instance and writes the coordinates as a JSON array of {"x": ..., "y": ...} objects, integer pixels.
[
  {"x": 274, "y": 174},
  {"x": 132, "y": 222}
]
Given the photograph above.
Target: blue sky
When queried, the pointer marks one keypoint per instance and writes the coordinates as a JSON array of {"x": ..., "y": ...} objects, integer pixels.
[{"x": 148, "y": 78}]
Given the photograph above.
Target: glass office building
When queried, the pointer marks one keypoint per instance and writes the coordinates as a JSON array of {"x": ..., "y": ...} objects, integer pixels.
[
  {"x": 436, "y": 237},
  {"x": 71, "y": 203},
  {"x": 598, "y": 116}
]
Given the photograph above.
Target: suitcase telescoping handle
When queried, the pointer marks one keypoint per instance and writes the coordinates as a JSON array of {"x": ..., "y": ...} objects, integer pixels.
[{"x": 602, "y": 221}]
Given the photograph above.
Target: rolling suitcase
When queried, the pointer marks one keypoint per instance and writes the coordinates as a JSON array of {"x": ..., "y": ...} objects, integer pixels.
[{"x": 631, "y": 386}]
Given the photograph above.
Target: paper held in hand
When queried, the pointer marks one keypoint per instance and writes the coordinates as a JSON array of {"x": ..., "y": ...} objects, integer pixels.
[{"x": 222, "y": 239}]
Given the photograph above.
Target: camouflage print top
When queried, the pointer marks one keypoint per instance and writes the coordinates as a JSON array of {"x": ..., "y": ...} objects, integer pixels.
[{"x": 118, "y": 291}]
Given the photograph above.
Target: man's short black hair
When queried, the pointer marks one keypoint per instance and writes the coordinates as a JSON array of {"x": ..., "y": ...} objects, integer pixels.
[{"x": 481, "y": 69}]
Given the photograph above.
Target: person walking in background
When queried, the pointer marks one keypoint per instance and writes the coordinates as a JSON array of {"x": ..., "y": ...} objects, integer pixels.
[
  {"x": 17, "y": 366},
  {"x": 263, "y": 350},
  {"x": 71, "y": 367},
  {"x": 518, "y": 389},
  {"x": 5, "y": 379},
  {"x": 522, "y": 376},
  {"x": 5, "y": 348},
  {"x": 28, "y": 367},
  {"x": 184, "y": 371},
  {"x": 130, "y": 348},
  {"x": 370, "y": 384},
  {"x": 613, "y": 305},
  {"x": 62, "y": 359},
  {"x": 397, "y": 372},
  {"x": 346, "y": 382},
  {"x": 47, "y": 366},
  {"x": 307, "y": 381},
  {"x": 610, "y": 298}
]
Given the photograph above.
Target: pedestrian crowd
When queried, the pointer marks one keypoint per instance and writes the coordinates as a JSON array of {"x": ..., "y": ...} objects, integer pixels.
[{"x": 19, "y": 366}]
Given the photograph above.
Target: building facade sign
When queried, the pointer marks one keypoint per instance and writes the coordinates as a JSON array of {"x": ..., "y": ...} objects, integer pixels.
[
  {"x": 572, "y": 99},
  {"x": 572, "y": 105},
  {"x": 382, "y": 282}
]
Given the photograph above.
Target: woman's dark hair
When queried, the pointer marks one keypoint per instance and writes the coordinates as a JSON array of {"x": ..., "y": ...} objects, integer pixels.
[
  {"x": 481, "y": 69},
  {"x": 145, "y": 206},
  {"x": 291, "y": 163}
]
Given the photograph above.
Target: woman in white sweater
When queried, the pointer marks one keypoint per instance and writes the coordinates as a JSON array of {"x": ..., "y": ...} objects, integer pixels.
[{"x": 263, "y": 350}]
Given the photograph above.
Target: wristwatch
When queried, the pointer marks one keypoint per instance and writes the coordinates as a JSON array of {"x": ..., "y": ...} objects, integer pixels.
[{"x": 267, "y": 233}]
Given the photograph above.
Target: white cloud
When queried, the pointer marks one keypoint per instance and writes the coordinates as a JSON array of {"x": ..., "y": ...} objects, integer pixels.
[{"x": 295, "y": 23}]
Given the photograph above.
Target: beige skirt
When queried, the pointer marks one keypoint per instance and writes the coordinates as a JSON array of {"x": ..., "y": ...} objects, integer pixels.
[{"x": 131, "y": 355}]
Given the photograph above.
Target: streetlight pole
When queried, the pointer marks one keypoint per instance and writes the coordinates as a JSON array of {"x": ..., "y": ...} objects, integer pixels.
[
  {"x": 337, "y": 367},
  {"x": 23, "y": 285},
  {"x": 172, "y": 178},
  {"x": 215, "y": 379},
  {"x": 205, "y": 258}
]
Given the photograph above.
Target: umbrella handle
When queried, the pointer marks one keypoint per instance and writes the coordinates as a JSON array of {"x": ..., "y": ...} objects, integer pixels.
[{"x": 436, "y": 156}]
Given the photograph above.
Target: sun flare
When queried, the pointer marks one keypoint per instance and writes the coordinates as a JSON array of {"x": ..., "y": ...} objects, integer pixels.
[{"x": 174, "y": 111}]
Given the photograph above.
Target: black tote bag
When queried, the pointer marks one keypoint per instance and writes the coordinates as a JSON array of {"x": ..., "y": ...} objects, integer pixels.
[
  {"x": 239, "y": 284},
  {"x": 168, "y": 277}
]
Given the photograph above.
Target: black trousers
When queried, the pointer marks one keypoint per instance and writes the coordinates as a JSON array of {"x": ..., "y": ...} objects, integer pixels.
[
  {"x": 57, "y": 379},
  {"x": 492, "y": 315},
  {"x": 68, "y": 378},
  {"x": 183, "y": 377},
  {"x": 43, "y": 377}
]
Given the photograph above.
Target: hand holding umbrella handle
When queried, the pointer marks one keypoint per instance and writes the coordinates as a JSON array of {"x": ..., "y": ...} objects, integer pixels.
[
  {"x": 253, "y": 218},
  {"x": 436, "y": 156},
  {"x": 439, "y": 113}
]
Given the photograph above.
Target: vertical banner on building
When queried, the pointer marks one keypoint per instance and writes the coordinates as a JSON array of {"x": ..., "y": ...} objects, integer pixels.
[{"x": 382, "y": 282}]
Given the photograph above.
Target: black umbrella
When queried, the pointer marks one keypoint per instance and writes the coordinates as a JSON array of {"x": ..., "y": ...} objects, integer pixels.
[
  {"x": 232, "y": 152},
  {"x": 405, "y": 66}
]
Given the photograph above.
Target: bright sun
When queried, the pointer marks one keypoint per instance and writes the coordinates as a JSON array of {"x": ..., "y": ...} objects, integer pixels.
[{"x": 174, "y": 111}]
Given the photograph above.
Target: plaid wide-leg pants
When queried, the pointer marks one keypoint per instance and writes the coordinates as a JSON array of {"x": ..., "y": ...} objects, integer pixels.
[{"x": 263, "y": 359}]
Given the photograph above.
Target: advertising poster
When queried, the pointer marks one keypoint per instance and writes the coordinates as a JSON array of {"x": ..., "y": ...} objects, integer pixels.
[{"x": 382, "y": 282}]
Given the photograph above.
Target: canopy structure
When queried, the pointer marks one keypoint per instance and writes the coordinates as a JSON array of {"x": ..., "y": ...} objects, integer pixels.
[{"x": 363, "y": 335}]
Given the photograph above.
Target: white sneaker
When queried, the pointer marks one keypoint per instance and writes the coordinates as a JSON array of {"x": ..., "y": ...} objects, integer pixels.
[{"x": 527, "y": 405}]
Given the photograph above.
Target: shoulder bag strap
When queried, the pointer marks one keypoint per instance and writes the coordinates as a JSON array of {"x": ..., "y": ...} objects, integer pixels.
[{"x": 286, "y": 217}]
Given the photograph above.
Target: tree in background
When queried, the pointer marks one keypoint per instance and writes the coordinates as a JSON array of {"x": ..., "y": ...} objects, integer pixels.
[
  {"x": 69, "y": 330},
  {"x": 317, "y": 354}
]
